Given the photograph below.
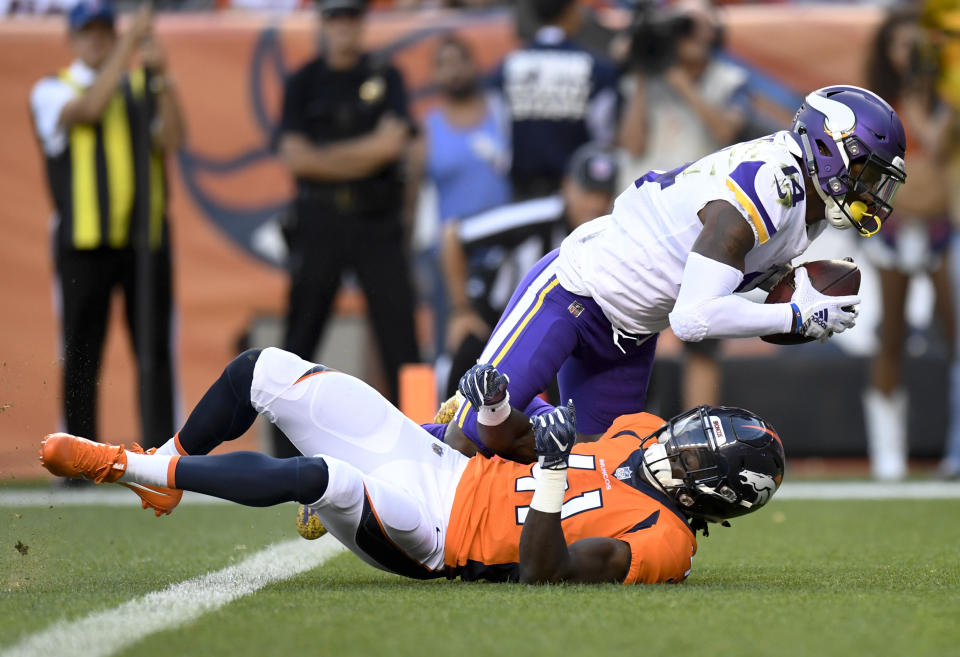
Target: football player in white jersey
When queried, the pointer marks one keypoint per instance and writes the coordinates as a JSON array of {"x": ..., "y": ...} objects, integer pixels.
[{"x": 676, "y": 248}]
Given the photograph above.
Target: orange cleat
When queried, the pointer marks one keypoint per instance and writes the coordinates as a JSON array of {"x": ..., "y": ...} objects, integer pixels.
[
  {"x": 161, "y": 499},
  {"x": 70, "y": 456}
]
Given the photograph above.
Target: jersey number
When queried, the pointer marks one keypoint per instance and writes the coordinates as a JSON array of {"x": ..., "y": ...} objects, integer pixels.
[
  {"x": 586, "y": 501},
  {"x": 794, "y": 194},
  {"x": 665, "y": 179}
]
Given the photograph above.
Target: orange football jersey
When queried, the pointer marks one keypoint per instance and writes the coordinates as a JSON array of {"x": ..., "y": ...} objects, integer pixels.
[{"x": 604, "y": 498}]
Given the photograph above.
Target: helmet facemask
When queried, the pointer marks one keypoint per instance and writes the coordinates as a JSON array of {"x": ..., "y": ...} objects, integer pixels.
[
  {"x": 685, "y": 461},
  {"x": 690, "y": 463}
]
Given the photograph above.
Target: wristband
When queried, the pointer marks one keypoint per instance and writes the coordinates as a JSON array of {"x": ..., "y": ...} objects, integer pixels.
[
  {"x": 797, "y": 318},
  {"x": 548, "y": 495},
  {"x": 491, "y": 416}
]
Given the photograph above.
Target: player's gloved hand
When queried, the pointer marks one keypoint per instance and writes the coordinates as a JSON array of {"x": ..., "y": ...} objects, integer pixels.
[
  {"x": 486, "y": 388},
  {"x": 555, "y": 434},
  {"x": 820, "y": 315}
]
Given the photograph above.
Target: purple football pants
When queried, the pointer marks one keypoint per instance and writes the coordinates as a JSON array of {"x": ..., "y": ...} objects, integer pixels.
[{"x": 546, "y": 331}]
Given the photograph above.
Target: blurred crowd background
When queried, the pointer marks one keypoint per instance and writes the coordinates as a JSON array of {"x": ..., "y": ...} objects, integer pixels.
[{"x": 471, "y": 155}]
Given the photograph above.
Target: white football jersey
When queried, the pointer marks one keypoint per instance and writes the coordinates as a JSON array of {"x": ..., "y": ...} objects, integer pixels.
[{"x": 631, "y": 261}]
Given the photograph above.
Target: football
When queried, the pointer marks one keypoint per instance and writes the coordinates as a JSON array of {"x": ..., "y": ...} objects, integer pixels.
[{"x": 836, "y": 278}]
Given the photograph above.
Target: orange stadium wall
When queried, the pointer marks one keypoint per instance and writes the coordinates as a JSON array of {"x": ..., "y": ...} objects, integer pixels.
[{"x": 228, "y": 70}]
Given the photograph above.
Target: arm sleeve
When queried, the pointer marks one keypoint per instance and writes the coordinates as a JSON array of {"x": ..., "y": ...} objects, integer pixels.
[
  {"x": 47, "y": 100},
  {"x": 291, "y": 118},
  {"x": 707, "y": 308},
  {"x": 397, "y": 101},
  {"x": 397, "y": 94}
]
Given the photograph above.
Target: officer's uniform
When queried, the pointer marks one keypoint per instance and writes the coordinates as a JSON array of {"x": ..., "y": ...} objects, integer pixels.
[
  {"x": 91, "y": 173},
  {"x": 348, "y": 225}
]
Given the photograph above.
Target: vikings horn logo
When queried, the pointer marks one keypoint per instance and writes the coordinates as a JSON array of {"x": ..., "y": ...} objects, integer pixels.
[{"x": 763, "y": 484}]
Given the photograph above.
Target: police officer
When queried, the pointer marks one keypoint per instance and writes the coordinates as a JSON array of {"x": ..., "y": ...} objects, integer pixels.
[
  {"x": 344, "y": 131},
  {"x": 88, "y": 118}
]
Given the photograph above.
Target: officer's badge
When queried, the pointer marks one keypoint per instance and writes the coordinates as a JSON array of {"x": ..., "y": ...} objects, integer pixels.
[
  {"x": 372, "y": 90},
  {"x": 575, "y": 308}
]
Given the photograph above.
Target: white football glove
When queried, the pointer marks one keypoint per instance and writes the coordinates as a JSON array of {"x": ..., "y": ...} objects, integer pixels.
[{"x": 821, "y": 315}]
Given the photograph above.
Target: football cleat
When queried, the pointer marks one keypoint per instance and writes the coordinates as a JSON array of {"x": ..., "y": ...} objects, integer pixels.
[
  {"x": 308, "y": 523},
  {"x": 70, "y": 456},
  {"x": 161, "y": 499}
]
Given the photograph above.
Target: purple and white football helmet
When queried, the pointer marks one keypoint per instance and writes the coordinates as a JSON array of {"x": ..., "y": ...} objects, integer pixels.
[{"x": 853, "y": 145}]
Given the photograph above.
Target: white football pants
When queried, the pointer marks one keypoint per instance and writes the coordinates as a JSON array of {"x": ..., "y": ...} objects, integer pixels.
[{"x": 391, "y": 483}]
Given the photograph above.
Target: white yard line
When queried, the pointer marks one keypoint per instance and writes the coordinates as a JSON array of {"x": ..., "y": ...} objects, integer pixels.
[
  {"x": 107, "y": 632},
  {"x": 791, "y": 490},
  {"x": 98, "y": 496}
]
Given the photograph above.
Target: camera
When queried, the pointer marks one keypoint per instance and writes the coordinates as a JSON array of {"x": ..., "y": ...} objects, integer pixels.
[{"x": 653, "y": 36}]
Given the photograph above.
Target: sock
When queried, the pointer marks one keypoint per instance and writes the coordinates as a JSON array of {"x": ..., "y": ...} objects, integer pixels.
[
  {"x": 171, "y": 448},
  {"x": 252, "y": 478},
  {"x": 224, "y": 412},
  {"x": 149, "y": 469}
]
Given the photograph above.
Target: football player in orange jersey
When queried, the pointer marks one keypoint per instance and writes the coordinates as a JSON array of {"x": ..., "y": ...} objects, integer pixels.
[{"x": 623, "y": 508}]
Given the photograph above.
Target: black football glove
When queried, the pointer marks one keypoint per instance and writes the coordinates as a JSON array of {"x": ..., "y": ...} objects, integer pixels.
[
  {"x": 483, "y": 385},
  {"x": 555, "y": 434}
]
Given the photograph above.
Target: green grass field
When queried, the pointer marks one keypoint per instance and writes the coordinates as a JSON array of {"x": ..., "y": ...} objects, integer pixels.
[{"x": 798, "y": 578}]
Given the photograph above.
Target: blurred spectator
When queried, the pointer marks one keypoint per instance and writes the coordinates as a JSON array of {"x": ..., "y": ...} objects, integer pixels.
[
  {"x": 344, "y": 130},
  {"x": 941, "y": 17},
  {"x": 465, "y": 155},
  {"x": 486, "y": 256},
  {"x": 591, "y": 33},
  {"x": 684, "y": 103},
  {"x": 266, "y": 5},
  {"x": 915, "y": 239},
  {"x": 89, "y": 120},
  {"x": 35, "y": 6},
  {"x": 558, "y": 95}
]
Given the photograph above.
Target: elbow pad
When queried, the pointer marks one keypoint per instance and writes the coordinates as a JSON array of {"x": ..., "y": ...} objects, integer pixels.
[
  {"x": 687, "y": 324},
  {"x": 704, "y": 279}
]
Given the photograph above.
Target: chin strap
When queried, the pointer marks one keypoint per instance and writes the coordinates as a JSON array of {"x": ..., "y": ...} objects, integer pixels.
[{"x": 701, "y": 525}]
